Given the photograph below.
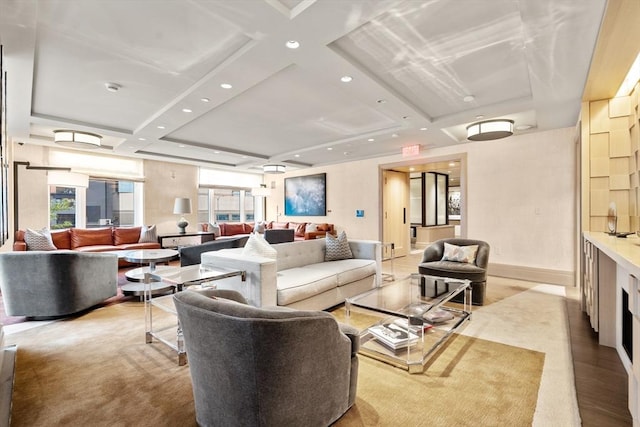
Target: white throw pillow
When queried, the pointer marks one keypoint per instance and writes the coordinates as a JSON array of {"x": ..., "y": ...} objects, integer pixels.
[
  {"x": 257, "y": 246},
  {"x": 148, "y": 234},
  {"x": 460, "y": 253},
  {"x": 311, "y": 228},
  {"x": 39, "y": 240},
  {"x": 337, "y": 248},
  {"x": 259, "y": 227},
  {"x": 215, "y": 229}
]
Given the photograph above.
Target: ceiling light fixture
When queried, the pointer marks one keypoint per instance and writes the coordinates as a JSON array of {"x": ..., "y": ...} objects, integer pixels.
[
  {"x": 346, "y": 79},
  {"x": 76, "y": 139},
  {"x": 225, "y": 86},
  {"x": 490, "y": 129},
  {"x": 371, "y": 139},
  {"x": 469, "y": 98},
  {"x": 187, "y": 110},
  {"x": 160, "y": 127},
  {"x": 204, "y": 99},
  {"x": 273, "y": 168},
  {"x": 292, "y": 44},
  {"x": 423, "y": 128}
]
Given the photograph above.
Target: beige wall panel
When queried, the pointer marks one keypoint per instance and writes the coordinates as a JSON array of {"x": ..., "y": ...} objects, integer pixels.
[
  {"x": 633, "y": 180},
  {"x": 620, "y": 106},
  {"x": 599, "y": 116},
  {"x": 599, "y": 166},
  {"x": 633, "y": 204},
  {"x": 633, "y": 223},
  {"x": 599, "y": 202},
  {"x": 619, "y": 123},
  {"x": 601, "y": 183},
  {"x": 598, "y": 223},
  {"x": 619, "y": 143},
  {"x": 623, "y": 224},
  {"x": 619, "y": 166},
  {"x": 599, "y": 145},
  {"x": 619, "y": 182}
]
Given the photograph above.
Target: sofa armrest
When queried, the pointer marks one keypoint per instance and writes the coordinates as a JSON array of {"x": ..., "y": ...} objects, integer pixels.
[
  {"x": 260, "y": 288},
  {"x": 19, "y": 246},
  {"x": 368, "y": 249}
]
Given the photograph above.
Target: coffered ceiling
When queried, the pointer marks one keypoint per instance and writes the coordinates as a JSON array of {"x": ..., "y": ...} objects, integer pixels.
[{"x": 421, "y": 72}]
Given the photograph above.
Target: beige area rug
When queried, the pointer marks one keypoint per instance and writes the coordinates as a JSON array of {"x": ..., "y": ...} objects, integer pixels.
[{"x": 97, "y": 370}]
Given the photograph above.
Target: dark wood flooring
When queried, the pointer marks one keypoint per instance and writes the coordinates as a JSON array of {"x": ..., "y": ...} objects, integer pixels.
[{"x": 601, "y": 380}]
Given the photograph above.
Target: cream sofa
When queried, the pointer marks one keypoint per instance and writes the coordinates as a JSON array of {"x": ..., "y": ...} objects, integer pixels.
[{"x": 300, "y": 278}]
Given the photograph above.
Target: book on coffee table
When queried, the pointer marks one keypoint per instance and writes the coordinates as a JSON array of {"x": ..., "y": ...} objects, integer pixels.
[{"x": 393, "y": 335}]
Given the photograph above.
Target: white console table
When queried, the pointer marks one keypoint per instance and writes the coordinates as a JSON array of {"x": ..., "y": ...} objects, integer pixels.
[{"x": 611, "y": 276}]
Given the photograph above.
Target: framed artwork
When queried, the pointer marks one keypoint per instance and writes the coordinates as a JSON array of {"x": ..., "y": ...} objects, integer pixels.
[
  {"x": 453, "y": 203},
  {"x": 306, "y": 195}
]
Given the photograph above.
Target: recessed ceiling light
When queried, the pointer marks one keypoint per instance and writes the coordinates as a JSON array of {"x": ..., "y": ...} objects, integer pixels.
[
  {"x": 186, "y": 110},
  {"x": 216, "y": 152},
  {"x": 346, "y": 79},
  {"x": 181, "y": 145},
  {"x": 423, "y": 128},
  {"x": 141, "y": 139},
  {"x": 469, "y": 98},
  {"x": 225, "y": 86},
  {"x": 479, "y": 116},
  {"x": 394, "y": 135},
  {"x": 330, "y": 148},
  {"x": 292, "y": 44},
  {"x": 112, "y": 87},
  {"x": 160, "y": 127},
  {"x": 296, "y": 155},
  {"x": 204, "y": 99},
  {"x": 371, "y": 139},
  {"x": 412, "y": 169}
]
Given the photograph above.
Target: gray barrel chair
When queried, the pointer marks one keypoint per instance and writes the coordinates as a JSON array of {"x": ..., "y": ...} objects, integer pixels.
[
  {"x": 433, "y": 265},
  {"x": 275, "y": 366},
  {"x": 44, "y": 284}
]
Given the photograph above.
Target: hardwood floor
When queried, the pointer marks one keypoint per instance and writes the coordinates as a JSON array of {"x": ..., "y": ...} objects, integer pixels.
[{"x": 600, "y": 378}]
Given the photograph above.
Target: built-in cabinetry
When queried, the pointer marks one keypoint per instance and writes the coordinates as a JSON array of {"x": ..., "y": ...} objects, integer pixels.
[
  {"x": 185, "y": 239},
  {"x": 611, "y": 298}
]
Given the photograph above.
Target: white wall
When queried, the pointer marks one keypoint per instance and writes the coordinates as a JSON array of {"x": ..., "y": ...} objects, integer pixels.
[{"x": 520, "y": 196}]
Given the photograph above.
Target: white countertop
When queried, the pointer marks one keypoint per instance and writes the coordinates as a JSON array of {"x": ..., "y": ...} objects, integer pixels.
[{"x": 625, "y": 251}]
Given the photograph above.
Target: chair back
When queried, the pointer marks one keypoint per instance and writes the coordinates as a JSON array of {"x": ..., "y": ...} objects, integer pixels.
[{"x": 435, "y": 251}]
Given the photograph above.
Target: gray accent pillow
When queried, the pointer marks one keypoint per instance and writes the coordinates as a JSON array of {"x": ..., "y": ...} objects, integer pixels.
[
  {"x": 337, "y": 248},
  {"x": 39, "y": 240},
  {"x": 148, "y": 234}
]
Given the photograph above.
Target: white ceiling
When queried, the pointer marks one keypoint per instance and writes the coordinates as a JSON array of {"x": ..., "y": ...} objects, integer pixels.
[{"x": 412, "y": 63}]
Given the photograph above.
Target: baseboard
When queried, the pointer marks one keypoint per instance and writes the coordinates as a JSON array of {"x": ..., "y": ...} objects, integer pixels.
[{"x": 541, "y": 275}]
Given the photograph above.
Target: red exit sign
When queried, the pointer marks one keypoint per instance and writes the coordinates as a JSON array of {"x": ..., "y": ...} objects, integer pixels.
[{"x": 411, "y": 150}]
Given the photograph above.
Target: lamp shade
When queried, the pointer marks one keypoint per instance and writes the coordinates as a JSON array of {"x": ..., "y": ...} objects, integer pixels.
[
  {"x": 490, "y": 129},
  {"x": 67, "y": 179},
  {"x": 182, "y": 205},
  {"x": 76, "y": 139}
]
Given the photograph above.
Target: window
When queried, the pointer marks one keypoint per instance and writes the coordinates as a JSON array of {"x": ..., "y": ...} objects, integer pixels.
[
  {"x": 110, "y": 202},
  {"x": 226, "y": 205},
  {"x": 62, "y": 207}
]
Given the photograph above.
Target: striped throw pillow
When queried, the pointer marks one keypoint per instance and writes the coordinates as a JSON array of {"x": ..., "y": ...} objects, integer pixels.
[
  {"x": 39, "y": 240},
  {"x": 337, "y": 248}
]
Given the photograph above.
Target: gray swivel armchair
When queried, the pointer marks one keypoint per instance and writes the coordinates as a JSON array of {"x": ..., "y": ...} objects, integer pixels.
[
  {"x": 432, "y": 264},
  {"x": 266, "y": 366},
  {"x": 44, "y": 284}
]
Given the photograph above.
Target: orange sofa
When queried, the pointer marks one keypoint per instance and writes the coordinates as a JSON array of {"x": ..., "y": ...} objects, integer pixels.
[
  {"x": 301, "y": 233},
  {"x": 93, "y": 240}
]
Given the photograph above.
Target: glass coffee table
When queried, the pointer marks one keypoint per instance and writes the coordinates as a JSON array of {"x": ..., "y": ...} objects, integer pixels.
[
  {"x": 180, "y": 278},
  {"x": 408, "y": 320}
]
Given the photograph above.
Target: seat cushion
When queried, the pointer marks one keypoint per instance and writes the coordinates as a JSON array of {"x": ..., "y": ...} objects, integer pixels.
[
  {"x": 454, "y": 270},
  {"x": 348, "y": 270},
  {"x": 296, "y": 284}
]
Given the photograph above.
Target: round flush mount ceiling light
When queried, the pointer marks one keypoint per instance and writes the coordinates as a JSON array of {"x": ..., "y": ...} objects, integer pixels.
[
  {"x": 274, "y": 168},
  {"x": 76, "y": 139},
  {"x": 292, "y": 44},
  {"x": 346, "y": 79},
  {"x": 490, "y": 129}
]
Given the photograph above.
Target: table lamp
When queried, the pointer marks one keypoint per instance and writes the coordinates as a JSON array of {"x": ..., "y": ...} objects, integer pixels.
[{"x": 182, "y": 206}]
